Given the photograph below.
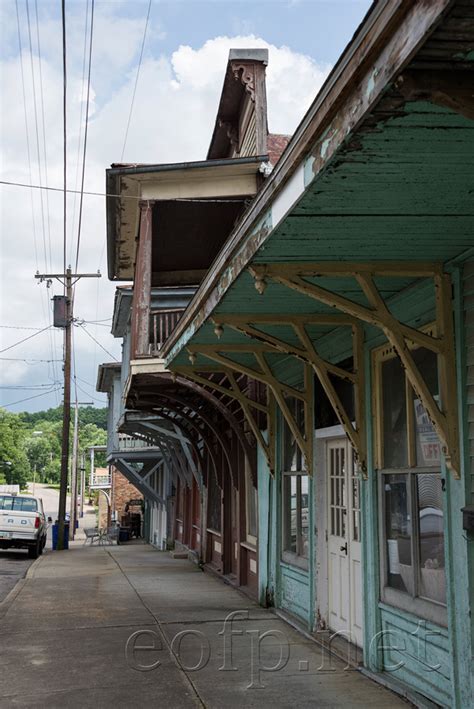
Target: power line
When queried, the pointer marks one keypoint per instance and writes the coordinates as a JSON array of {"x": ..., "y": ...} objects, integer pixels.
[
  {"x": 84, "y": 53},
  {"x": 204, "y": 200},
  {"x": 46, "y": 311},
  {"x": 44, "y": 131},
  {"x": 33, "y": 386},
  {"x": 63, "y": 23},
  {"x": 19, "y": 327},
  {"x": 26, "y": 130},
  {"x": 68, "y": 191},
  {"x": 87, "y": 393},
  {"x": 97, "y": 342},
  {"x": 5, "y": 349},
  {"x": 36, "y": 396},
  {"x": 136, "y": 79},
  {"x": 37, "y": 131},
  {"x": 97, "y": 324},
  {"x": 27, "y": 360},
  {"x": 85, "y": 137}
]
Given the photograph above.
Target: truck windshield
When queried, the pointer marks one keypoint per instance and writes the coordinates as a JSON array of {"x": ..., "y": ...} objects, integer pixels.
[{"x": 20, "y": 504}]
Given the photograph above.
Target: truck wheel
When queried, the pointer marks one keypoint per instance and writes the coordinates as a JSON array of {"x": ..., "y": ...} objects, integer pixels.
[
  {"x": 34, "y": 551},
  {"x": 40, "y": 547}
]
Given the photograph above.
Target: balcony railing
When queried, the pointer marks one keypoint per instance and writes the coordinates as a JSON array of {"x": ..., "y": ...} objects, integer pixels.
[
  {"x": 130, "y": 443},
  {"x": 100, "y": 481},
  {"x": 163, "y": 322}
]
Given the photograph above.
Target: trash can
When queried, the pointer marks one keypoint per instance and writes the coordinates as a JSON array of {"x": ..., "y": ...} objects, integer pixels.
[
  {"x": 56, "y": 535},
  {"x": 124, "y": 535}
]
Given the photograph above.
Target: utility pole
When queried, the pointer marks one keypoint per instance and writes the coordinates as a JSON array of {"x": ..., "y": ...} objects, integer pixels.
[
  {"x": 83, "y": 481},
  {"x": 75, "y": 441},
  {"x": 63, "y": 317}
]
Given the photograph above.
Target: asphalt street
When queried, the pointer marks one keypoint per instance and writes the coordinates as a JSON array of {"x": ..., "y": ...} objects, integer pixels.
[{"x": 14, "y": 563}]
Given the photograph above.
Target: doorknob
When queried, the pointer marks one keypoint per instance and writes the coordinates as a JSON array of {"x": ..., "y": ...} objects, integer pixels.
[{"x": 344, "y": 548}]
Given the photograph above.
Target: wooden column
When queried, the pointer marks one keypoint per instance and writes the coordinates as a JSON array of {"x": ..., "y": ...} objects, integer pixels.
[
  {"x": 261, "y": 126},
  {"x": 142, "y": 285}
]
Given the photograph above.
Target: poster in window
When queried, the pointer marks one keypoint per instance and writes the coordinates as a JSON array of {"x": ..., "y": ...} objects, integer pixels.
[{"x": 428, "y": 449}]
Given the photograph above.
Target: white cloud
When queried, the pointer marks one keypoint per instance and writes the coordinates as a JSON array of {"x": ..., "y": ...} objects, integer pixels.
[{"x": 173, "y": 118}]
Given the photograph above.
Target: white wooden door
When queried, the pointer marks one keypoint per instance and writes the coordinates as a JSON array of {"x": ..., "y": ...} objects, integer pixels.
[{"x": 344, "y": 547}]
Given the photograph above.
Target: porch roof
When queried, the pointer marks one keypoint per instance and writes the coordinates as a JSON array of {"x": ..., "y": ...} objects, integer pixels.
[
  {"x": 205, "y": 181},
  {"x": 379, "y": 171},
  {"x": 105, "y": 375},
  {"x": 359, "y": 224}
]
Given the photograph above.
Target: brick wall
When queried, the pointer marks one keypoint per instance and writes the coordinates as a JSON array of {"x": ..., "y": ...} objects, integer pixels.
[{"x": 122, "y": 492}]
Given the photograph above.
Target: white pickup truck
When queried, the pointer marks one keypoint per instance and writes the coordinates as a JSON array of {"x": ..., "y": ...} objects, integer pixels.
[{"x": 23, "y": 524}]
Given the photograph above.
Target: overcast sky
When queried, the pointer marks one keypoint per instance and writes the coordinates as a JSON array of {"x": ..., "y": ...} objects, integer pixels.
[{"x": 179, "y": 84}]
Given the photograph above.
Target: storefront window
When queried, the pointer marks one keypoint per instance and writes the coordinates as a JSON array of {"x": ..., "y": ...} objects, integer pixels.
[
  {"x": 214, "y": 505},
  {"x": 432, "y": 580},
  {"x": 413, "y": 495},
  {"x": 295, "y": 506},
  {"x": 398, "y": 532},
  {"x": 394, "y": 414},
  {"x": 251, "y": 508},
  {"x": 295, "y": 496}
]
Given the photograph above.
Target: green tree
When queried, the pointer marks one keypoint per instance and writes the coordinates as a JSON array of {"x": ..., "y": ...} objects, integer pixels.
[
  {"x": 43, "y": 447},
  {"x": 13, "y": 458}
]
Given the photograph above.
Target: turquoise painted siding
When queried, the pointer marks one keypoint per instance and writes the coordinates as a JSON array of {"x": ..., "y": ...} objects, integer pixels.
[
  {"x": 433, "y": 660},
  {"x": 468, "y": 303},
  {"x": 465, "y": 328},
  {"x": 370, "y": 538},
  {"x": 412, "y": 648},
  {"x": 295, "y": 591},
  {"x": 266, "y": 537}
]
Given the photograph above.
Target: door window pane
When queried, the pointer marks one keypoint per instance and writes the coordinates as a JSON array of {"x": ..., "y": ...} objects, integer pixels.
[
  {"x": 398, "y": 531},
  {"x": 304, "y": 536},
  {"x": 432, "y": 578},
  {"x": 355, "y": 502},
  {"x": 395, "y": 446},
  {"x": 337, "y": 500}
]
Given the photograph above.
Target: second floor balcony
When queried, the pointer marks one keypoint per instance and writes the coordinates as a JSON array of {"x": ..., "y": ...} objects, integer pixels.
[
  {"x": 162, "y": 324},
  {"x": 100, "y": 479}
]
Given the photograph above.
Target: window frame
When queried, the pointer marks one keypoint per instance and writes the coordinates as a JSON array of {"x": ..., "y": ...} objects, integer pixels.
[
  {"x": 287, "y": 556},
  {"x": 427, "y": 609},
  {"x": 250, "y": 489}
]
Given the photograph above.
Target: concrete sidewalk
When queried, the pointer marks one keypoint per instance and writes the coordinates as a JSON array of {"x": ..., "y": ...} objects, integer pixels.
[{"x": 69, "y": 639}]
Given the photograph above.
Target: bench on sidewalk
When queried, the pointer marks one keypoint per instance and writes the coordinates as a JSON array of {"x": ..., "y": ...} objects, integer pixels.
[
  {"x": 92, "y": 535},
  {"x": 109, "y": 535}
]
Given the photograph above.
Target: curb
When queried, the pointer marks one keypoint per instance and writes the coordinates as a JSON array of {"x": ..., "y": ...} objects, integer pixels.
[{"x": 18, "y": 587}]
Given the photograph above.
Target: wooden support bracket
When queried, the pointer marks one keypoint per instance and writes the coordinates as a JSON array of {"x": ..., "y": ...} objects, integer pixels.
[
  {"x": 248, "y": 405},
  {"x": 401, "y": 336},
  {"x": 247, "y": 325},
  {"x": 282, "y": 392}
]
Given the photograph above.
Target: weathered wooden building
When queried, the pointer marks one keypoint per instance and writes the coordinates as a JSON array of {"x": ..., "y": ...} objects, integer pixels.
[
  {"x": 335, "y": 326},
  {"x": 183, "y": 215}
]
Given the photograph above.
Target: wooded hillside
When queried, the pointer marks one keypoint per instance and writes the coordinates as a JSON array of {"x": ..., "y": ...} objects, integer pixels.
[{"x": 30, "y": 443}]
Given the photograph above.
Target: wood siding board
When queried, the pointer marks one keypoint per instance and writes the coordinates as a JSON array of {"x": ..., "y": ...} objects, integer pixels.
[{"x": 435, "y": 683}]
